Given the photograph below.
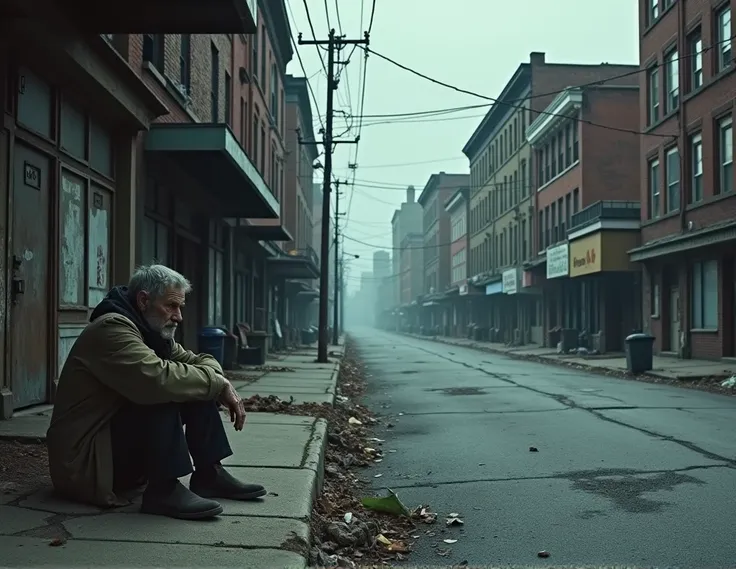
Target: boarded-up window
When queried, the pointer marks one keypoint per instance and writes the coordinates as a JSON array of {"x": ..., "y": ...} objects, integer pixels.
[
  {"x": 98, "y": 275},
  {"x": 35, "y": 102},
  {"x": 73, "y": 130},
  {"x": 71, "y": 236}
]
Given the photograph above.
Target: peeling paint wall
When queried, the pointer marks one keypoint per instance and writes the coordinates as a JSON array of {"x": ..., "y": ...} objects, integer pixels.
[{"x": 98, "y": 269}]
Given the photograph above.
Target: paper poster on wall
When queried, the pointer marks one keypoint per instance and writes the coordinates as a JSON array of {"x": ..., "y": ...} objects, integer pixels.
[{"x": 99, "y": 249}]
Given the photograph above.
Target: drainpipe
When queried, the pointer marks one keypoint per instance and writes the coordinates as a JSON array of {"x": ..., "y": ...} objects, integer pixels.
[{"x": 685, "y": 299}]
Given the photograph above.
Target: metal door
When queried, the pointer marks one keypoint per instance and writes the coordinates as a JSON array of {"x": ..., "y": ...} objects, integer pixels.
[
  {"x": 674, "y": 319},
  {"x": 30, "y": 291}
]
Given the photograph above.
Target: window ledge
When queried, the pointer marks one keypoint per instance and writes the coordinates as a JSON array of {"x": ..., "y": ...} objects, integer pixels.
[
  {"x": 166, "y": 84},
  {"x": 654, "y": 316},
  {"x": 704, "y": 330},
  {"x": 559, "y": 175}
]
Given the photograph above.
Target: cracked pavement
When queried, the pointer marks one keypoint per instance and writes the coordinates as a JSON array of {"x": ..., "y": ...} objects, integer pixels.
[{"x": 626, "y": 473}]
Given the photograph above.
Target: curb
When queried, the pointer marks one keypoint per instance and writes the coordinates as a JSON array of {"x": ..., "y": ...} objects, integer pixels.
[
  {"x": 620, "y": 373},
  {"x": 539, "y": 359},
  {"x": 314, "y": 454}
]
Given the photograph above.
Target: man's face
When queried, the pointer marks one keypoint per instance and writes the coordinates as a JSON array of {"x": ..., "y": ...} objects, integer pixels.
[{"x": 163, "y": 314}]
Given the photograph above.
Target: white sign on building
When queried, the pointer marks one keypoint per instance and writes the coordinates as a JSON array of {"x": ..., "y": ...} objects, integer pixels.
[
  {"x": 510, "y": 280},
  {"x": 558, "y": 261}
]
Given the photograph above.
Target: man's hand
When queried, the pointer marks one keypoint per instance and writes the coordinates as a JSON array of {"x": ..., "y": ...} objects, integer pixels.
[{"x": 230, "y": 399}]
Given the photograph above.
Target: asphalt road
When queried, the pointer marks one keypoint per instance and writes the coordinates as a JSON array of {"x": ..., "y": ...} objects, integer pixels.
[{"x": 626, "y": 473}]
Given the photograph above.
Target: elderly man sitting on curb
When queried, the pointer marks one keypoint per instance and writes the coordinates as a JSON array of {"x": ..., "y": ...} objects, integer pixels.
[{"x": 126, "y": 391}]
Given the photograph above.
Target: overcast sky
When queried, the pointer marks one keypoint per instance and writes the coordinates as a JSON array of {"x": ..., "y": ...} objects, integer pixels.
[{"x": 473, "y": 44}]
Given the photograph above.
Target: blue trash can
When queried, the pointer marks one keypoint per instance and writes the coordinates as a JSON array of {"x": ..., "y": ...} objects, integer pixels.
[{"x": 212, "y": 342}]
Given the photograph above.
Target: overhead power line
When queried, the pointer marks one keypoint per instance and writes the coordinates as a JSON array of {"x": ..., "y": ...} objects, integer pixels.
[{"x": 516, "y": 103}]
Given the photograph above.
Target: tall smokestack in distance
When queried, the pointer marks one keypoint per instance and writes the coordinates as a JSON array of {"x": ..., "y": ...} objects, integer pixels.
[{"x": 410, "y": 191}]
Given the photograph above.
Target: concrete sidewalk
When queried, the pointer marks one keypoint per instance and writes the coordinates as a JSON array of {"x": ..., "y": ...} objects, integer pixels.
[
  {"x": 665, "y": 367},
  {"x": 283, "y": 452}
]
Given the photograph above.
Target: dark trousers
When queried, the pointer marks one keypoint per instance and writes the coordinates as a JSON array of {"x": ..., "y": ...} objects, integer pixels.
[{"x": 149, "y": 442}]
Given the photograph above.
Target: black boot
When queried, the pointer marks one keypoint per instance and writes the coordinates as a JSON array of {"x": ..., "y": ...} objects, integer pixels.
[
  {"x": 216, "y": 482},
  {"x": 176, "y": 501}
]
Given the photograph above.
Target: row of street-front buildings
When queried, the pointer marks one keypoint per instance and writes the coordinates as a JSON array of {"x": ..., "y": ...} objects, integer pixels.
[
  {"x": 124, "y": 149},
  {"x": 600, "y": 202}
]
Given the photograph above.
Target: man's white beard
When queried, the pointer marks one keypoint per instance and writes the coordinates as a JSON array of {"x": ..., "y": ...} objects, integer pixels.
[{"x": 168, "y": 332}]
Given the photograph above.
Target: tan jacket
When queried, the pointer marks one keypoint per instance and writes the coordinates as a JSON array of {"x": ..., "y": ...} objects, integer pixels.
[{"x": 109, "y": 364}]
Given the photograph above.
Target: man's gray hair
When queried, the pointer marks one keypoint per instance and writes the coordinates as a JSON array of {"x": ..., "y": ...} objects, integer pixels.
[{"x": 156, "y": 280}]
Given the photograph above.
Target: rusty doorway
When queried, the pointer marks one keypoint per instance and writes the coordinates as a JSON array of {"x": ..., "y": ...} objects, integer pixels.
[{"x": 30, "y": 289}]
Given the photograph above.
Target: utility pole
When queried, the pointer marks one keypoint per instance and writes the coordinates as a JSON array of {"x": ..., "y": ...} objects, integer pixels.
[
  {"x": 333, "y": 43},
  {"x": 336, "y": 283}
]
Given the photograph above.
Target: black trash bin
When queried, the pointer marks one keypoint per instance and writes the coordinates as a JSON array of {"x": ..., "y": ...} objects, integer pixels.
[
  {"x": 212, "y": 342},
  {"x": 639, "y": 353}
]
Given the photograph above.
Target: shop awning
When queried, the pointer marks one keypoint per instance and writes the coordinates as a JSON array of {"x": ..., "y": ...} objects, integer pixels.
[
  {"x": 164, "y": 16},
  {"x": 296, "y": 264},
  {"x": 264, "y": 230},
  {"x": 210, "y": 154},
  {"x": 715, "y": 234}
]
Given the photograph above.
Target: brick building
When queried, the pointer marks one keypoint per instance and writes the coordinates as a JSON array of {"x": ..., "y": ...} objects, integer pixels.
[
  {"x": 180, "y": 193},
  {"x": 586, "y": 188},
  {"x": 457, "y": 208},
  {"x": 411, "y": 271},
  {"x": 687, "y": 181},
  {"x": 502, "y": 208},
  {"x": 437, "y": 258}
]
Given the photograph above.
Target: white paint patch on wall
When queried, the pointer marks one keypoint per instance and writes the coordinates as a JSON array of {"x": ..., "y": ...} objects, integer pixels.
[
  {"x": 99, "y": 251},
  {"x": 72, "y": 242}
]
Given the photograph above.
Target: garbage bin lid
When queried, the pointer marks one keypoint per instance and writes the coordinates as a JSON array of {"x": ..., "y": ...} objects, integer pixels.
[
  {"x": 212, "y": 331},
  {"x": 638, "y": 336}
]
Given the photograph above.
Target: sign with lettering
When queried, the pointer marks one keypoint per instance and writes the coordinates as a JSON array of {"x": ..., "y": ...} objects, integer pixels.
[
  {"x": 510, "y": 280},
  {"x": 585, "y": 255},
  {"x": 558, "y": 261},
  {"x": 32, "y": 175}
]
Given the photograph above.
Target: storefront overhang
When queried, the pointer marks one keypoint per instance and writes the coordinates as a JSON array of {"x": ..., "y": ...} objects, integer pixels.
[
  {"x": 714, "y": 235},
  {"x": 87, "y": 65},
  {"x": 494, "y": 288},
  {"x": 605, "y": 251},
  {"x": 264, "y": 230},
  {"x": 210, "y": 154},
  {"x": 163, "y": 16},
  {"x": 558, "y": 261},
  {"x": 296, "y": 264}
]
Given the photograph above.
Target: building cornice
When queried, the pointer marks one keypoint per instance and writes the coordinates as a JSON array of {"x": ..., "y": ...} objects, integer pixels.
[
  {"x": 563, "y": 106},
  {"x": 297, "y": 92},
  {"x": 279, "y": 31},
  {"x": 520, "y": 81}
]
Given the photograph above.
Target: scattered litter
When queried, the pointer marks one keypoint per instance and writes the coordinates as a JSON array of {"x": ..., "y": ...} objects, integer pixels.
[
  {"x": 543, "y": 554},
  {"x": 454, "y": 520},
  {"x": 56, "y": 542},
  {"x": 378, "y": 475},
  {"x": 533, "y": 449},
  {"x": 378, "y": 460},
  {"x": 450, "y": 541},
  {"x": 348, "y": 517},
  {"x": 398, "y": 547},
  {"x": 380, "y": 538},
  {"x": 443, "y": 552},
  {"x": 375, "y": 440},
  {"x": 392, "y": 450},
  {"x": 354, "y": 421},
  {"x": 730, "y": 383},
  {"x": 387, "y": 504},
  {"x": 423, "y": 514}
]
